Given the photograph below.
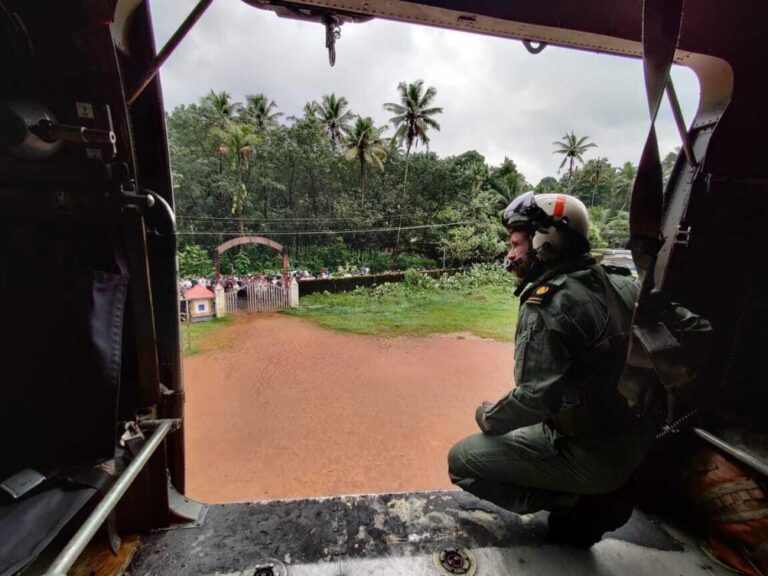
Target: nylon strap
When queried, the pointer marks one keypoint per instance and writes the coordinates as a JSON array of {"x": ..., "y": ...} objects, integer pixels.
[
  {"x": 662, "y": 21},
  {"x": 92, "y": 477}
]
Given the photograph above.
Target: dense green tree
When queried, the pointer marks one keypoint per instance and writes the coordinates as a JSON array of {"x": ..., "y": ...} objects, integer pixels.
[
  {"x": 507, "y": 182},
  {"x": 593, "y": 184},
  {"x": 572, "y": 149},
  {"x": 233, "y": 175},
  {"x": 612, "y": 227},
  {"x": 195, "y": 262},
  {"x": 462, "y": 244},
  {"x": 548, "y": 185}
]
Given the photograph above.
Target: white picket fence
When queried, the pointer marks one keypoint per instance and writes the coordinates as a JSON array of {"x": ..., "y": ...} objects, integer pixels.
[
  {"x": 231, "y": 305},
  {"x": 259, "y": 297}
]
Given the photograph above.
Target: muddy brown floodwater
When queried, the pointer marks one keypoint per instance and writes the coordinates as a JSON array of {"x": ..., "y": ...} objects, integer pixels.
[{"x": 282, "y": 408}]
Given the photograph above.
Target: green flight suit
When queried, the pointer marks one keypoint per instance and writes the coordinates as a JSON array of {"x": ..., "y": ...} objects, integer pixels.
[{"x": 564, "y": 430}]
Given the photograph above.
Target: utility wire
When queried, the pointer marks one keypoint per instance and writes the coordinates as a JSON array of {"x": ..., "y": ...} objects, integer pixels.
[
  {"x": 326, "y": 232},
  {"x": 236, "y": 219}
]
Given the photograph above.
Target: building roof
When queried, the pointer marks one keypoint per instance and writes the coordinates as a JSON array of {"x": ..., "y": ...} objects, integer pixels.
[{"x": 197, "y": 292}]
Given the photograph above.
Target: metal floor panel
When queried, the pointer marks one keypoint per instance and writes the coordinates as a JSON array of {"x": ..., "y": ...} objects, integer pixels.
[
  {"x": 609, "y": 558},
  {"x": 398, "y": 534}
]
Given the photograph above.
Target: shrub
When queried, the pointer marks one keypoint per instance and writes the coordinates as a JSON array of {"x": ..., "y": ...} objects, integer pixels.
[
  {"x": 595, "y": 238},
  {"x": 478, "y": 276},
  {"x": 404, "y": 261},
  {"x": 413, "y": 279},
  {"x": 377, "y": 261}
]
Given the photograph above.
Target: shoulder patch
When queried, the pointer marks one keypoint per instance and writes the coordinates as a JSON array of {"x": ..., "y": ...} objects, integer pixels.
[
  {"x": 557, "y": 280},
  {"x": 542, "y": 294}
]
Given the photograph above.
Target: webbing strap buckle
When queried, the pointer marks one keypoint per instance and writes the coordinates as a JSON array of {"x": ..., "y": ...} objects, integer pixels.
[{"x": 683, "y": 236}]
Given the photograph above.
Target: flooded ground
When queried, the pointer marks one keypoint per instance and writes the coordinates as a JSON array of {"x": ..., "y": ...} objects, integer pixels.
[{"x": 278, "y": 407}]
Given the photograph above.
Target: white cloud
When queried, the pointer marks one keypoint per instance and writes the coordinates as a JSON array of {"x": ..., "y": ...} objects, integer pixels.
[{"x": 498, "y": 99}]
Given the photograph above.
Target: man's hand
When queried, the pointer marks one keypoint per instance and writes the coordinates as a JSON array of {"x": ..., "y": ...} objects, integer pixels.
[{"x": 480, "y": 414}]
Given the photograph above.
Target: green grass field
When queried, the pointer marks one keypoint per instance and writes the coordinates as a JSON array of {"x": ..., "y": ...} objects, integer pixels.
[
  {"x": 478, "y": 301},
  {"x": 194, "y": 336},
  {"x": 488, "y": 312}
]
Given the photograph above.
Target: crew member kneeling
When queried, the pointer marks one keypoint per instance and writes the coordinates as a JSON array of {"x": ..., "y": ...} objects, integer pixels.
[{"x": 564, "y": 434}]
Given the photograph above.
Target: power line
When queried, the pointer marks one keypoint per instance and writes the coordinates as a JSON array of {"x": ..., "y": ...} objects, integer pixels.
[
  {"x": 236, "y": 219},
  {"x": 328, "y": 232}
]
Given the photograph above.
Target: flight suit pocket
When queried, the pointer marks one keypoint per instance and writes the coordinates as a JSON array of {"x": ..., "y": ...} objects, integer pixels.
[{"x": 521, "y": 345}]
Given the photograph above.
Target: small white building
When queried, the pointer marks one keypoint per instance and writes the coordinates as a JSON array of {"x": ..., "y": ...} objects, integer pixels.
[{"x": 200, "y": 303}]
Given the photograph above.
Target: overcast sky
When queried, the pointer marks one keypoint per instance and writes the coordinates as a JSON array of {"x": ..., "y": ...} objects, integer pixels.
[{"x": 497, "y": 98}]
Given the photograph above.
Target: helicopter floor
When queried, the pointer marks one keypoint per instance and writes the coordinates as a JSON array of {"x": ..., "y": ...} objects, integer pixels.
[{"x": 427, "y": 533}]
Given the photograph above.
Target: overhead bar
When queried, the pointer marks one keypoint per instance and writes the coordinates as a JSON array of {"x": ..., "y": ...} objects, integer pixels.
[{"x": 168, "y": 49}]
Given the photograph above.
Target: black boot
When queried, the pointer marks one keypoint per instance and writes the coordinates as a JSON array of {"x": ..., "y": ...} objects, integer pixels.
[{"x": 585, "y": 523}]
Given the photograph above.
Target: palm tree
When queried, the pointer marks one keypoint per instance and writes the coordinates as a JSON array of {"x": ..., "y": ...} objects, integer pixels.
[
  {"x": 412, "y": 119},
  {"x": 311, "y": 109},
  {"x": 572, "y": 149},
  {"x": 334, "y": 117},
  {"x": 413, "y": 116},
  {"x": 222, "y": 103},
  {"x": 625, "y": 178},
  {"x": 259, "y": 111},
  {"x": 364, "y": 144},
  {"x": 237, "y": 142},
  {"x": 601, "y": 174},
  {"x": 223, "y": 112}
]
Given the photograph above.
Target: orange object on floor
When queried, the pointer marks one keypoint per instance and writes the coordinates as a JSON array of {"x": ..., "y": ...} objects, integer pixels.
[{"x": 731, "y": 501}]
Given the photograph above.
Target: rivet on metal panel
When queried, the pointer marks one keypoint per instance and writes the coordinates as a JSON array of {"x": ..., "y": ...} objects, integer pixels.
[{"x": 84, "y": 110}]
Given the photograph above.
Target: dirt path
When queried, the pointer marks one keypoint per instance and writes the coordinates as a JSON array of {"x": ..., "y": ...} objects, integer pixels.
[{"x": 282, "y": 408}]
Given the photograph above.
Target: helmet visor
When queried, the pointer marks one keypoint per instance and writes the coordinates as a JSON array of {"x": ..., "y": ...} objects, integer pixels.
[{"x": 518, "y": 214}]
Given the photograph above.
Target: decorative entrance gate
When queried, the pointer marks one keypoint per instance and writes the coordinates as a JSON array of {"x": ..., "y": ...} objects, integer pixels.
[
  {"x": 260, "y": 296},
  {"x": 221, "y": 248}
]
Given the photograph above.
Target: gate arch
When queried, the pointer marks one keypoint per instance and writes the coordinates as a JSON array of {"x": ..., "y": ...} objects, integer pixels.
[{"x": 223, "y": 247}]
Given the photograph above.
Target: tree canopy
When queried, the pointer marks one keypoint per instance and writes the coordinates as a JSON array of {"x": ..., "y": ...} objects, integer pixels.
[{"x": 336, "y": 189}]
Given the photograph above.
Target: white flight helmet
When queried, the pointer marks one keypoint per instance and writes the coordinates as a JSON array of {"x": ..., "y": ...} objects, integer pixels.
[{"x": 559, "y": 223}]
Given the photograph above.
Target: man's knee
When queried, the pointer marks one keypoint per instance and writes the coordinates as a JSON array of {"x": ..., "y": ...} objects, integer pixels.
[{"x": 457, "y": 462}]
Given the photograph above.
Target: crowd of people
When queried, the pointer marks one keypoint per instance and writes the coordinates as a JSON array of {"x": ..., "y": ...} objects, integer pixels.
[{"x": 234, "y": 283}]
